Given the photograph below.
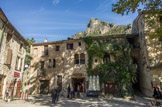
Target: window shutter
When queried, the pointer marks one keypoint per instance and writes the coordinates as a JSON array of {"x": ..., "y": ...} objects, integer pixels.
[{"x": 9, "y": 57}]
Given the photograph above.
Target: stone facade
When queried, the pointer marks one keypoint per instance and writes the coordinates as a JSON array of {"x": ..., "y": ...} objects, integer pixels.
[
  {"x": 12, "y": 56},
  {"x": 66, "y": 64},
  {"x": 52, "y": 60},
  {"x": 150, "y": 53},
  {"x": 59, "y": 61}
]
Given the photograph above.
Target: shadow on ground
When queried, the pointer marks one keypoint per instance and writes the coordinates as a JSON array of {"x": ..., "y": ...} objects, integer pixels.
[{"x": 45, "y": 100}]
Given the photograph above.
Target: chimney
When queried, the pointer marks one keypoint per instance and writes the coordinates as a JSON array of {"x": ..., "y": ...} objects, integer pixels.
[
  {"x": 45, "y": 40},
  {"x": 139, "y": 11}
]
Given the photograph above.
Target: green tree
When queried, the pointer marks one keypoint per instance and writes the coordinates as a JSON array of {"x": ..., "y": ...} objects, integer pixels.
[
  {"x": 30, "y": 42},
  {"x": 153, "y": 6},
  {"x": 28, "y": 58}
]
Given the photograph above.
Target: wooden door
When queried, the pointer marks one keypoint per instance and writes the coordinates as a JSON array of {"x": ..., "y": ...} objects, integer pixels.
[
  {"x": 44, "y": 86},
  {"x": 1, "y": 84},
  {"x": 59, "y": 82},
  {"x": 18, "y": 88},
  {"x": 110, "y": 88}
]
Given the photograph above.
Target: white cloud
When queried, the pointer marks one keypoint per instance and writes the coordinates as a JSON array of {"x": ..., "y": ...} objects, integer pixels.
[{"x": 55, "y": 2}]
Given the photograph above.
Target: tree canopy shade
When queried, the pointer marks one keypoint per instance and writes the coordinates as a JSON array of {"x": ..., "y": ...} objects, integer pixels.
[{"x": 126, "y": 6}]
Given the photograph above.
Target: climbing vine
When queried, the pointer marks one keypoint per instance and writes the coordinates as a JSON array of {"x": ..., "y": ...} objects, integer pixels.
[{"x": 121, "y": 70}]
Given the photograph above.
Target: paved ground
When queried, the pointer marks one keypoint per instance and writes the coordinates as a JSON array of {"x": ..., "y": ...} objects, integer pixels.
[{"x": 45, "y": 101}]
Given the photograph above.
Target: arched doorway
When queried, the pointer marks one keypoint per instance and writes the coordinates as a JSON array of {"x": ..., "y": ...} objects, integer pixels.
[{"x": 78, "y": 80}]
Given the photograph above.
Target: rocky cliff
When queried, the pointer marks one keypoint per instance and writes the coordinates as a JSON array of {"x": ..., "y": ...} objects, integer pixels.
[{"x": 100, "y": 28}]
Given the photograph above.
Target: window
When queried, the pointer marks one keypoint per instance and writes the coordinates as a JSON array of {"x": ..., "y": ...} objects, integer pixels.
[
  {"x": 106, "y": 58},
  {"x": 9, "y": 57},
  {"x": 57, "y": 48},
  {"x": 18, "y": 63},
  {"x": 76, "y": 57},
  {"x": 80, "y": 44},
  {"x": 42, "y": 64},
  {"x": 95, "y": 60},
  {"x": 21, "y": 47},
  {"x": 45, "y": 49},
  {"x": 95, "y": 44},
  {"x": 82, "y": 58},
  {"x": 21, "y": 64},
  {"x": 54, "y": 63},
  {"x": 50, "y": 64},
  {"x": 70, "y": 46}
]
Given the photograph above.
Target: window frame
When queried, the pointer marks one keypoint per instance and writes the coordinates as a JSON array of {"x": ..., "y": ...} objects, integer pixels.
[
  {"x": 80, "y": 44},
  {"x": 57, "y": 48},
  {"x": 82, "y": 60},
  {"x": 54, "y": 63},
  {"x": 70, "y": 46},
  {"x": 76, "y": 59}
]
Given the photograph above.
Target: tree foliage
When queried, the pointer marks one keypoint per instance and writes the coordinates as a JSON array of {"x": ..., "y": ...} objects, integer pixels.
[
  {"x": 122, "y": 71},
  {"x": 28, "y": 58},
  {"x": 30, "y": 41},
  {"x": 126, "y": 6},
  {"x": 152, "y": 6}
]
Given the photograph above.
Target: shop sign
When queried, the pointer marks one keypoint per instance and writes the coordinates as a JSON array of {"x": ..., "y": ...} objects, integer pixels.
[{"x": 16, "y": 74}]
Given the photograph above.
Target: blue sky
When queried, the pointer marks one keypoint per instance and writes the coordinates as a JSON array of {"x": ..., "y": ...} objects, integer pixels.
[{"x": 58, "y": 19}]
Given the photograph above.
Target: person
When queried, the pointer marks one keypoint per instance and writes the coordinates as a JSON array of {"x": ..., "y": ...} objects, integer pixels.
[
  {"x": 78, "y": 91},
  {"x": 69, "y": 90},
  {"x": 53, "y": 95},
  {"x": 6, "y": 94},
  {"x": 72, "y": 91},
  {"x": 57, "y": 93},
  {"x": 155, "y": 94},
  {"x": 159, "y": 96}
]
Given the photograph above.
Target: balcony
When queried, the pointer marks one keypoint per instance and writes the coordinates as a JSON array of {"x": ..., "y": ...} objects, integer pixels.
[{"x": 41, "y": 72}]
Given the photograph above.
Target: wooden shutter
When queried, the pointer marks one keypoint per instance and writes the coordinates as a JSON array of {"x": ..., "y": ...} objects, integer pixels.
[{"x": 9, "y": 57}]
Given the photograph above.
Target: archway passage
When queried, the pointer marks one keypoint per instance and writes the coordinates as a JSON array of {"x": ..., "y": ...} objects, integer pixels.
[
  {"x": 136, "y": 85},
  {"x": 78, "y": 82}
]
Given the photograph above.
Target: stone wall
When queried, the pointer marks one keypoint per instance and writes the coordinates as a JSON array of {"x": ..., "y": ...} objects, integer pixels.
[
  {"x": 64, "y": 62},
  {"x": 7, "y": 70},
  {"x": 150, "y": 51}
]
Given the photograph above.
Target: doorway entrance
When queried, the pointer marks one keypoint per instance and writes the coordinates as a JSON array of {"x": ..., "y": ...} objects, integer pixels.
[
  {"x": 78, "y": 82},
  {"x": 44, "y": 86},
  {"x": 1, "y": 85}
]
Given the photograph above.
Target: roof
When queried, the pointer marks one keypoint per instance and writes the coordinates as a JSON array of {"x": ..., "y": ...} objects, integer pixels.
[
  {"x": 3, "y": 16},
  {"x": 100, "y": 37},
  {"x": 9, "y": 25}
]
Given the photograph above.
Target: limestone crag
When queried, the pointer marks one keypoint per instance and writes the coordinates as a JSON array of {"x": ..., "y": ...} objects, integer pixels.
[{"x": 99, "y": 28}]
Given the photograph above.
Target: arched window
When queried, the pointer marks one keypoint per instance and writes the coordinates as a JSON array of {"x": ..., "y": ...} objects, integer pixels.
[
  {"x": 106, "y": 58},
  {"x": 76, "y": 59},
  {"x": 82, "y": 58}
]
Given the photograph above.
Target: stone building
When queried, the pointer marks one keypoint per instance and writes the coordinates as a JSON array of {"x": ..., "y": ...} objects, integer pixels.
[
  {"x": 12, "y": 56},
  {"x": 150, "y": 56},
  {"x": 58, "y": 63},
  {"x": 64, "y": 62}
]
